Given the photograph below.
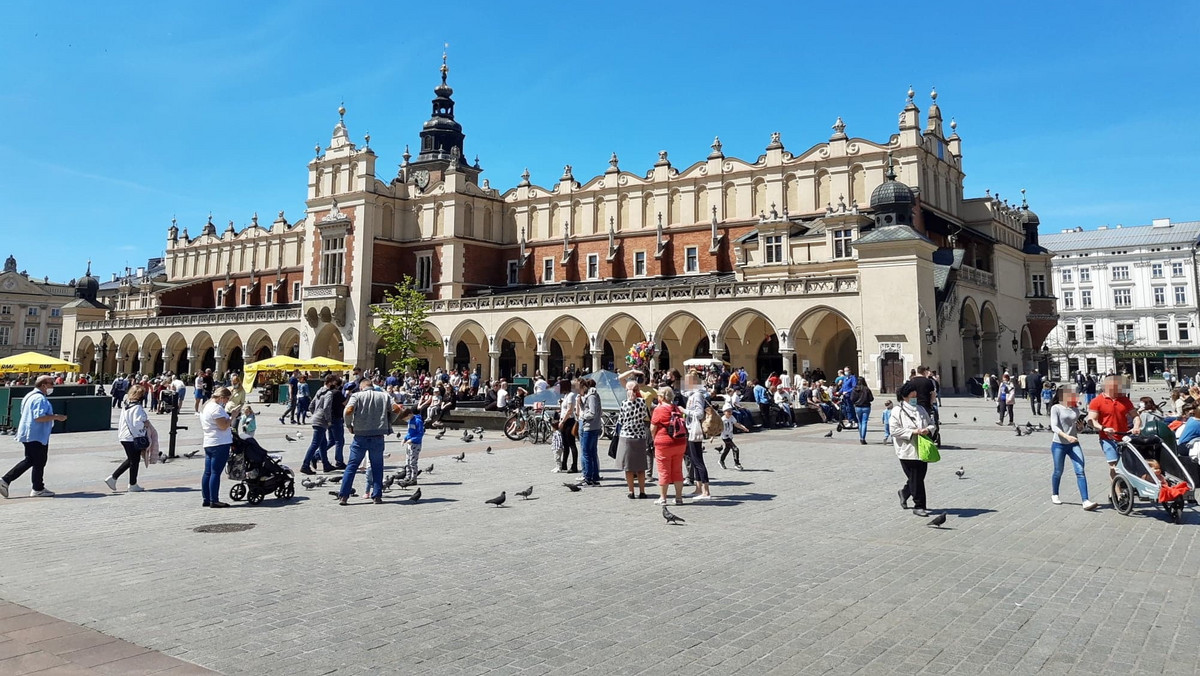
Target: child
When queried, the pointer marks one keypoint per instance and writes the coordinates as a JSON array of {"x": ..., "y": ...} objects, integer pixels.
[
  {"x": 728, "y": 424},
  {"x": 248, "y": 423},
  {"x": 887, "y": 421},
  {"x": 412, "y": 441},
  {"x": 1047, "y": 395}
]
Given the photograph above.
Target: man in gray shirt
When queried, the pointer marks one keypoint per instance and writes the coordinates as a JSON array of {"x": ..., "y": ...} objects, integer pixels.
[{"x": 369, "y": 418}]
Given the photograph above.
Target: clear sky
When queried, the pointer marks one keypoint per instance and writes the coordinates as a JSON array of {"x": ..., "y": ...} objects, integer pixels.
[{"x": 117, "y": 116}]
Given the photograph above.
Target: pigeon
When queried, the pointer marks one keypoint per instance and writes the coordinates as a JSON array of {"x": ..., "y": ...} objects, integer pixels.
[
  {"x": 290, "y": 438},
  {"x": 308, "y": 483},
  {"x": 429, "y": 469},
  {"x": 387, "y": 483},
  {"x": 162, "y": 457},
  {"x": 478, "y": 433},
  {"x": 573, "y": 488},
  {"x": 489, "y": 450},
  {"x": 956, "y": 415},
  {"x": 321, "y": 480},
  {"x": 974, "y": 419},
  {"x": 469, "y": 438},
  {"x": 441, "y": 433},
  {"x": 938, "y": 520},
  {"x": 1041, "y": 427},
  {"x": 960, "y": 472},
  {"x": 416, "y": 496},
  {"x": 525, "y": 493},
  {"x": 1019, "y": 432},
  {"x": 465, "y": 435},
  {"x": 408, "y": 483},
  {"x": 498, "y": 500},
  {"x": 829, "y": 434},
  {"x": 192, "y": 454},
  {"x": 671, "y": 518},
  {"x": 460, "y": 457}
]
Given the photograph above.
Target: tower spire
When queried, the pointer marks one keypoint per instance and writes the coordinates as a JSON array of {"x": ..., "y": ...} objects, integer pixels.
[{"x": 445, "y": 68}]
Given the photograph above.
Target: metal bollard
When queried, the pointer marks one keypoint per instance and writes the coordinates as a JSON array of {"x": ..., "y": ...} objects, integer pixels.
[{"x": 174, "y": 430}]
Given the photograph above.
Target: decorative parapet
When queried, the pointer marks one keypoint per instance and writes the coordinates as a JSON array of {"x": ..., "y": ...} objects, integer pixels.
[{"x": 289, "y": 314}]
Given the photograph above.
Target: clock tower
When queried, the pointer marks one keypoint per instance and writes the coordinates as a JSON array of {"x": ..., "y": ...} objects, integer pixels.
[{"x": 441, "y": 149}]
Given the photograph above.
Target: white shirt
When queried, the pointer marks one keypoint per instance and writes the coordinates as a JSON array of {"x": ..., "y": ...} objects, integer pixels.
[
  {"x": 177, "y": 385},
  {"x": 132, "y": 423},
  {"x": 785, "y": 381},
  {"x": 540, "y": 386},
  {"x": 501, "y": 398},
  {"x": 208, "y": 423}
]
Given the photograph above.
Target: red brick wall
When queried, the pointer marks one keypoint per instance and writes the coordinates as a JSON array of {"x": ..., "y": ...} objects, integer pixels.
[{"x": 203, "y": 295}]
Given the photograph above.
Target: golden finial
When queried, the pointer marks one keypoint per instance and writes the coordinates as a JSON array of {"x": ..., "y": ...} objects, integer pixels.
[{"x": 445, "y": 68}]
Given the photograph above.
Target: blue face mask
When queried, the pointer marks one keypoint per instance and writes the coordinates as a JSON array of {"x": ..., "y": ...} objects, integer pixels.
[{"x": 912, "y": 401}]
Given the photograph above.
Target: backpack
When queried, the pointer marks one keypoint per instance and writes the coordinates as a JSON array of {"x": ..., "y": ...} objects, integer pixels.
[
  {"x": 712, "y": 423},
  {"x": 675, "y": 427}
]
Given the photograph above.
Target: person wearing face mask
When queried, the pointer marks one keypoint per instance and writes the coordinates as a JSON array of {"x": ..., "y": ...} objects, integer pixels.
[
  {"x": 910, "y": 421},
  {"x": 37, "y": 420}
]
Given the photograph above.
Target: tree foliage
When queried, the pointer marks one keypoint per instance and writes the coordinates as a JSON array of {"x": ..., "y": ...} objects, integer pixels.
[{"x": 401, "y": 328}]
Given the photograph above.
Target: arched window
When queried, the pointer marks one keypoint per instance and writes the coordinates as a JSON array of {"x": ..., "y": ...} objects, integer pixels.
[
  {"x": 858, "y": 185},
  {"x": 823, "y": 199},
  {"x": 673, "y": 208},
  {"x": 647, "y": 210},
  {"x": 791, "y": 193},
  {"x": 760, "y": 197},
  {"x": 730, "y": 202},
  {"x": 702, "y": 204}
]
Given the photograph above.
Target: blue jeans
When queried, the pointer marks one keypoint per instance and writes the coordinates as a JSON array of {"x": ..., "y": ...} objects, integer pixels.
[
  {"x": 589, "y": 439},
  {"x": 1110, "y": 449},
  {"x": 1061, "y": 451},
  {"x": 215, "y": 459},
  {"x": 360, "y": 447},
  {"x": 337, "y": 439},
  {"x": 863, "y": 413},
  {"x": 317, "y": 448}
]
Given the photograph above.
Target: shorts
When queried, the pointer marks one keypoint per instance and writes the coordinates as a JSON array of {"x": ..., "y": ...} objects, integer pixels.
[{"x": 1110, "y": 449}]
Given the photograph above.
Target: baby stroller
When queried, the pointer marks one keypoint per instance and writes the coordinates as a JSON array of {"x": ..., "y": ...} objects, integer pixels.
[
  {"x": 1147, "y": 468},
  {"x": 257, "y": 472},
  {"x": 166, "y": 401}
]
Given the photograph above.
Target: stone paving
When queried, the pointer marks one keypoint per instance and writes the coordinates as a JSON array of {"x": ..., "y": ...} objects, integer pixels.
[{"x": 804, "y": 564}]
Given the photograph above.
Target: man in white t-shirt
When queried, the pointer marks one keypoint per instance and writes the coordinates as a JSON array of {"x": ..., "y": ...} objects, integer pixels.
[
  {"x": 502, "y": 396},
  {"x": 785, "y": 380},
  {"x": 540, "y": 384}
]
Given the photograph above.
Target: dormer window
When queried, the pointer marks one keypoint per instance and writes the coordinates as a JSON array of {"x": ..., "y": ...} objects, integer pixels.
[
  {"x": 773, "y": 249},
  {"x": 842, "y": 247}
]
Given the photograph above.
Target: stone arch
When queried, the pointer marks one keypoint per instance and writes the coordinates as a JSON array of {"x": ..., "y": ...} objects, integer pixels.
[
  {"x": 749, "y": 339},
  {"x": 674, "y": 207},
  {"x": 620, "y": 332},
  {"x": 758, "y": 195},
  {"x": 489, "y": 233},
  {"x": 822, "y": 185},
  {"x": 288, "y": 343},
  {"x": 85, "y": 355},
  {"x": 825, "y": 337},
  {"x": 259, "y": 346},
  {"x": 517, "y": 344},
  {"x": 153, "y": 361},
  {"x": 858, "y": 185},
  {"x": 702, "y": 207},
  {"x": 969, "y": 332},
  {"x": 791, "y": 193},
  {"x": 577, "y": 217},
  {"x": 679, "y": 336},
  {"x": 128, "y": 354},
  {"x": 728, "y": 202},
  {"x": 468, "y": 221},
  {"x": 328, "y": 343},
  {"x": 600, "y": 220},
  {"x": 648, "y": 219},
  {"x": 472, "y": 336},
  {"x": 623, "y": 212},
  {"x": 204, "y": 355},
  {"x": 565, "y": 342},
  {"x": 989, "y": 322},
  {"x": 176, "y": 349},
  {"x": 232, "y": 352},
  {"x": 553, "y": 221}
]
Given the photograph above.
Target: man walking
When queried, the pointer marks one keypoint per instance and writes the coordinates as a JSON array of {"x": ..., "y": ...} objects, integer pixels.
[
  {"x": 368, "y": 417},
  {"x": 293, "y": 389},
  {"x": 1113, "y": 413},
  {"x": 37, "y": 420},
  {"x": 1033, "y": 383}
]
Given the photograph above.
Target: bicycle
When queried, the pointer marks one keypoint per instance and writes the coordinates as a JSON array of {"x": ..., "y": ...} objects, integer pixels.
[{"x": 523, "y": 424}]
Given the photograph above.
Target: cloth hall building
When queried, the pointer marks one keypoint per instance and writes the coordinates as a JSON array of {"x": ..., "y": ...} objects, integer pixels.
[{"x": 849, "y": 252}]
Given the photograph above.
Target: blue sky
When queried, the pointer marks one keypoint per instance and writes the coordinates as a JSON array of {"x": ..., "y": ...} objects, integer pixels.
[{"x": 117, "y": 116}]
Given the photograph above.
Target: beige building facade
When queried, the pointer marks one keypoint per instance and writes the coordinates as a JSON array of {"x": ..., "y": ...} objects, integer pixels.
[{"x": 30, "y": 312}]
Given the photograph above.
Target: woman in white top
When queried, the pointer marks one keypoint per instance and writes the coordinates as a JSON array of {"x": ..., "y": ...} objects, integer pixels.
[
  {"x": 218, "y": 438},
  {"x": 567, "y": 407},
  {"x": 133, "y": 424},
  {"x": 910, "y": 421},
  {"x": 1064, "y": 425}
]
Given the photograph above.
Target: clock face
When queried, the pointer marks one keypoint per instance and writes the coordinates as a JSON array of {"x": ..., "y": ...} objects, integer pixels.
[
  {"x": 421, "y": 178},
  {"x": 10, "y": 284}
]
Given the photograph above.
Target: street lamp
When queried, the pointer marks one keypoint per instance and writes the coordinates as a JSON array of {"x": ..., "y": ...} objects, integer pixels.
[
  {"x": 977, "y": 339},
  {"x": 103, "y": 355}
]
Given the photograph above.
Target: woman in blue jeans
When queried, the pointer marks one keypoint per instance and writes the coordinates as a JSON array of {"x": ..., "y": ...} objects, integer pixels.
[
  {"x": 218, "y": 438},
  {"x": 591, "y": 423},
  {"x": 1064, "y": 424},
  {"x": 862, "y": 397}
]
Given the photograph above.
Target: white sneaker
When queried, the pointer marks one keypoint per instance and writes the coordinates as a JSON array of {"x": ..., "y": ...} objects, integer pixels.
[
  {"x": 660, "y": 501},
  {"x": 4, "y": 488},
  {"x": 1055, "y": 500},
  {"x": 41, "y": 494},
  {"x": 134, "y": 488},
  {"x": 698, "y": 498},
  {"x": 111, "y": 483},
  {"x": 1090, "y": 506},
  {"x": 555, "y": 470}
]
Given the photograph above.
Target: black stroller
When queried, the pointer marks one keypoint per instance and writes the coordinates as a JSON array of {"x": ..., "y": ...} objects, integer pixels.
[{"x": 257, "y": 472}]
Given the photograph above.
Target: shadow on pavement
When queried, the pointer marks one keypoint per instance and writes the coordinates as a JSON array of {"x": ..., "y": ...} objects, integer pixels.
[
  {"x": 966, "y": 513},
  {"x": 727, "y": 500},
  {"x": 174, "y": 489},
  {"x": 80, "y": 494}
]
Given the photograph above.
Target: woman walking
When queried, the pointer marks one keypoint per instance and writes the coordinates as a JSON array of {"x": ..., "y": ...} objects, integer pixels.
[
  {"x": 861, "y": 396},
  {"x": 567, "y": 415},
  {"x": 133, "y": 432},
  {"x": 218, "y": 438},
  {"x": 1064, "y": 424},
  {"x": 697, "y": 405},
  {"x": 1006, "y": 396},
  {"x": 590, "y": 425},
  {"x": 322, "y": 419},
  {"x": 670, "y": 443},
  {"x": 302, "y": 400},
  {"x": 631, "y": 440},
  {"x": 909, "y": 422}
]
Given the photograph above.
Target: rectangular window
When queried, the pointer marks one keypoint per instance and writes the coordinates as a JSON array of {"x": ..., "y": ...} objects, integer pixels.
[
  {"x": 1089, "y": 332},
  {"x": 1176, "y": 269},
  {"x": 1160, "y": 295},
  {"x": 1123, "y": 297},
  {"x": 514, "y": 272},
  {"x": 593, "y": 266},
  {"x": 1068, "y": 300},
  {"x": 220, "y": 298},
  {"x": 1072, "y": 336},
  {"x": 55, "y": 312},
  {"x": 5, "y": 335},
  {"x": 54, "y": 337},
  {"x": 773, "y": 249},
  {"x": 1184, "y": 333},
  {"x": 547, "y": 269},
  {"x": 425, "y": 272},
  {"x": 1038, "y": 285},
  {"x": 841, "y": 243},
  {"x": 1085, "y": 298},
  {"x": 31, "y": 335},
  {"x": 1085, "y": 274},
  {"x": 244, "y": 295},
  {"x": 1066, "y": 275},
  {"x": 5, "y": 309},
  {"x": 1156, "y": 270},
  {"x": 1164, "y": 332},
  {"x": 270, "y": 294},
  {"x": 1181, "y": 295},
  {"x": 1120, "y": 273},
  {"x": 691, "y": 259},
  {"x": 1125, "y": 334},
  {"x": 639, "y": 264},
  {"x": 295, "y": 292},
  {"x": 333, "y": 259},
  {"x": 32, "y": 311}
]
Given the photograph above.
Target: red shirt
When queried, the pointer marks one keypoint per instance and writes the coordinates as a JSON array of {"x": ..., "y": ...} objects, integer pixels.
[{"x": 1112, "y": 412}]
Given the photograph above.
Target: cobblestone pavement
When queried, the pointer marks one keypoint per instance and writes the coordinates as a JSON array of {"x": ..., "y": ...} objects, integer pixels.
[{"x": 804, "y": 564}]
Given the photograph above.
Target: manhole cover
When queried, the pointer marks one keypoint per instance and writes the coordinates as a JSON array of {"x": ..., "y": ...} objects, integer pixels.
[{"x": 224, "y": 528}]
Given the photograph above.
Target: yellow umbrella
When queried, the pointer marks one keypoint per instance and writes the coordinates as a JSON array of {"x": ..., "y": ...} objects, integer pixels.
[
  {"x": 276, "y": 363},
  {"x": 325, "y": 363},
  {"x": 32, "y": 362}
]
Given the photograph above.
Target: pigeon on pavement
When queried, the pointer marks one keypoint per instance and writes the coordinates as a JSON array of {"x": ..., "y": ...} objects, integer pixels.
[
  {"x": 387, "y": 483},
  {"x": 460, "y": 457},
  {"x": 938, "y": 520},
  {"x": 308, "y": 483},
  {"x": 955, "y": 415},
  {"x": 416, "y": 496},
  {"x": 489, "y": 450},
  {"x": 573, "y": 488},
  {"x": 289, "y": 438},
  {"x": 192, "y": 454},
  {"x": 429, "y": 469},
  {"x": 671, "y": 518},
  {"x": 829, "y": 434},
  {"x": 498, "y": 500},
  {"x": 974, "y": 419},
  {"x": 441, "y": 433},
  {"x": 960, "y": 472},
  {"x": 526, "y": 493}
]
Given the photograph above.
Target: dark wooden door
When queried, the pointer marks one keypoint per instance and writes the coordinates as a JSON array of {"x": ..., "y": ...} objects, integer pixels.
[{"x": 893, "y": 373}]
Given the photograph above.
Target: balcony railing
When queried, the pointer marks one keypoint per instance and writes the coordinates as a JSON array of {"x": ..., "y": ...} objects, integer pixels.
[
  {"x": 289, "y": 314},
  {"x": 977, "y": 277},
  {"x": 326, "y": 291}
]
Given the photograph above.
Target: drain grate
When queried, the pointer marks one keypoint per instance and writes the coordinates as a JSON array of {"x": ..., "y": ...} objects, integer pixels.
[{"x": 223, "y": 528}]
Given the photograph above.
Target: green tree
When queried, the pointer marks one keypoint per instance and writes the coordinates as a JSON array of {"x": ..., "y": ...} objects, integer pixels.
[{"x": 400, "y": 324}]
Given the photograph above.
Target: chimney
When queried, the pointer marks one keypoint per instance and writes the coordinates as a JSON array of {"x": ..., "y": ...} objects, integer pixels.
[
  {"x": 114, "y": 276},
  {"x": 141, "y": 271},
  {"x": 1103, "y": 227},
  {"x": 1161, "y": 223}
]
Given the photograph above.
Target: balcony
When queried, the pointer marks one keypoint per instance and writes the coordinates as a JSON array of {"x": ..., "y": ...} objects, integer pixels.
[
  {"x": 326, "y": 303},
  {"x": 977, "y": 277},
  {"x": 241, "y": 316},
  {"x": 326, "y": 291}
]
